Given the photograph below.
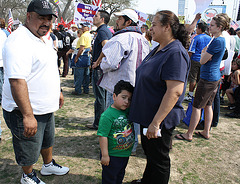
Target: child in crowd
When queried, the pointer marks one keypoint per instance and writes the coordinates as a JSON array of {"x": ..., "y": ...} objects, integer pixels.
[
  {"x": 116, "y": 135},
  {"x": 234, "y": 77}
]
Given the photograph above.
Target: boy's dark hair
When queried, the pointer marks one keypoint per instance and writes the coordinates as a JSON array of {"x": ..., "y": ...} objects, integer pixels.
[
  {"x": 123, "y": 85},
  {"x": 104, "y": 14},
  {"x": 202, "y": 26}
]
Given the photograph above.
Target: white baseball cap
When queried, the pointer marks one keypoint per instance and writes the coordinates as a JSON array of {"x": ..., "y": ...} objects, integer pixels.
[{"x": 129, "y": 13}]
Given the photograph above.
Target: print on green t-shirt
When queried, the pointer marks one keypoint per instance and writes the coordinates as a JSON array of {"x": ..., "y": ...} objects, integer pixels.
[{"x": 114, "y": 125}]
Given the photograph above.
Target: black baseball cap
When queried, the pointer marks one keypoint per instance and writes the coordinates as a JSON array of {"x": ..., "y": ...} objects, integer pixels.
[
  {"x": 41, "y": 7},
  {"x": 85, "y": 24}
]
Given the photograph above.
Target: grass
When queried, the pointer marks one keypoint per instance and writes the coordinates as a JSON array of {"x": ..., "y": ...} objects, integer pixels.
[{"x": 197, "y": 162}]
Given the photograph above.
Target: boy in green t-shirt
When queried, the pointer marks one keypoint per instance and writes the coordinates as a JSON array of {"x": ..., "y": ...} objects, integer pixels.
[{"x": 116, "y": 135}]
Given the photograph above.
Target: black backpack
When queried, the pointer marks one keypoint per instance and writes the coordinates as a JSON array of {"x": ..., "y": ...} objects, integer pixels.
[{"x": 66, "y": 39}]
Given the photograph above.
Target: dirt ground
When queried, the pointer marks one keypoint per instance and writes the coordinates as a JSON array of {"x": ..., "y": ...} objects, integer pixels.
[{"x": 212, "y": 161}]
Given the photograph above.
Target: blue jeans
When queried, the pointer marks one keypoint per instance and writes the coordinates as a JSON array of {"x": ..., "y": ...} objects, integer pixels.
[
  {"x": 137, "y": 132},
  {"x": 82, "y": 78},
  {"x": 109, "y": 99},
  {"x": 99, "y": 94}
]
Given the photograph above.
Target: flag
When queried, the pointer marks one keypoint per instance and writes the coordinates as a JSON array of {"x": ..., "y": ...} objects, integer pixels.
[
  {"x": 68, "y": 25},
  {"x": 97, "y": 3},
  {"x": 10, "y": 22},
  {"x": 56, "y": 19},
  {"x": 234, "y": 25},
  {"x": 56, "y": 2}
]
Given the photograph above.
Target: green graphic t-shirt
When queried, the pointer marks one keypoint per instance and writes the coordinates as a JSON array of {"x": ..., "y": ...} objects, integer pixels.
[{"x": 114, "y": 125}]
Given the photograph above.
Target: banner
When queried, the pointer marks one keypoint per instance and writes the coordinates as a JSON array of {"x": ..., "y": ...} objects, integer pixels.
[
  {"x": 84, "y": 13},
  {"x": 201, "y": 5},
  {"x": 142, "y": 18},
  {"x": 212, "y": 11}
]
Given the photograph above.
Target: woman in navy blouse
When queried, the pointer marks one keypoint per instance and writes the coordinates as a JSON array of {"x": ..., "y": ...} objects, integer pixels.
[
  {"x": 159, "y": 90},
  {"x": 207, "y": 87}
]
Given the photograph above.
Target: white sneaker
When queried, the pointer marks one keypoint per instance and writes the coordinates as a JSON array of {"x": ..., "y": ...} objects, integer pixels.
[
  {"x": 54, "y": 168},
  {"x": 31, "y": 179},
  {"x": 188, "y": 98}
]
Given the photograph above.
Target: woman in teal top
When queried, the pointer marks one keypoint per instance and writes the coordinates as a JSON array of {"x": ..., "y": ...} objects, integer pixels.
[{"x": 211, "y": 57}]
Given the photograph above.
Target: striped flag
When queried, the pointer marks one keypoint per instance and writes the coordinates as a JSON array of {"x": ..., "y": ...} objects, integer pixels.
[
  {"x": 10, "y": 22},
  {"x": 97, "y": 3},
  {"x": 56, "y": 1},
  {"x": 234, "y": 25}
]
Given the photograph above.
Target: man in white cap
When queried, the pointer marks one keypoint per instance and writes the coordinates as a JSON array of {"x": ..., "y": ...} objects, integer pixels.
[
  {"x": 31, "y": 92},
  {"x": 123, "y": 53}
]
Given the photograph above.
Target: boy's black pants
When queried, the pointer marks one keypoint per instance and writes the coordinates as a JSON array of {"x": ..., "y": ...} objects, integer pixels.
[{"x": 115, "y": 171}]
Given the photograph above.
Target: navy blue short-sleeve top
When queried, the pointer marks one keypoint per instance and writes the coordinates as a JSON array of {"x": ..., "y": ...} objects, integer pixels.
[
  {"x": 103, "y": 33},
  {"x": 170, "y": 63}
]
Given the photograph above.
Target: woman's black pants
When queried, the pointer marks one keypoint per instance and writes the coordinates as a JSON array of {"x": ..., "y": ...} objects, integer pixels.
[{"x": 157, "y": 170}]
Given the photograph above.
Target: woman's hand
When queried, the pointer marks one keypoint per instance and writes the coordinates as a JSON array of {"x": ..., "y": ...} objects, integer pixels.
[{"x": 152, "y": 131}]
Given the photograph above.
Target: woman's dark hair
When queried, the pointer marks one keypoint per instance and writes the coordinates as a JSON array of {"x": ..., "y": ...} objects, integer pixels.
[
  {"x": 223, "y": 20},
  {"x": 123, "y": 85},
  {"x": 126, "y": 18},
  {"x": 148, "y": 35},
  {"x": 178, "y": 30}
]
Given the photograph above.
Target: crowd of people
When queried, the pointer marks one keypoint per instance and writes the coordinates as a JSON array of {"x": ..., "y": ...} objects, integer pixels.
[{"x": 139, "y": 79}]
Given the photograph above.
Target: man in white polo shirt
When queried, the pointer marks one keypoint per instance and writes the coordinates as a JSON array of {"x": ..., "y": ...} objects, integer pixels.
[{"x": 31, "y": 92}]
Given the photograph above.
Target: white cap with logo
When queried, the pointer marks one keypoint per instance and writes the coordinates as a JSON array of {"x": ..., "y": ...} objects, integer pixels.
[{"x": 129, "y": 13}]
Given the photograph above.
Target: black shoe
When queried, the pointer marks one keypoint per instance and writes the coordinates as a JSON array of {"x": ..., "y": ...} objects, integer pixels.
[
  {"x": 233, "y": 115},
  {"x": 214, "y": 125},
  {"x": 92, "y": 127},
  {"x": 75, "y": 93}
]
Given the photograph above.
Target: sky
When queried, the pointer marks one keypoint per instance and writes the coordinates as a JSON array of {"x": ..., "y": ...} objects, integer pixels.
[{"x": 151, "y": 6}]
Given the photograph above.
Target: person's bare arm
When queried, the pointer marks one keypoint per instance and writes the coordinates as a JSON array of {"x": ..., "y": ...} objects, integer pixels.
[
  {"x": 192, "y": 26},
  {"x": 61, "y": 100},
  {"x": 235, "y": 77},
  {"x": 20, "y": 95},
  {"x": 205, "y": 56},
  {"x": 174, "y": 91},
  {"x": 99, "y": 60},
  {"x": 80, "y": 50},
  {"x": 103, "y": 141},
  {"x": 97, "y": 63}
]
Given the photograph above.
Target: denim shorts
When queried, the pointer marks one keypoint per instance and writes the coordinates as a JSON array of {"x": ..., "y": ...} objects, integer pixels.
[{"x": 27, "y": 150}]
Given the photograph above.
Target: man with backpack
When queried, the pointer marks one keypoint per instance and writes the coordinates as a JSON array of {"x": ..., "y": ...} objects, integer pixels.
[{"x": 64, "y": 44}]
